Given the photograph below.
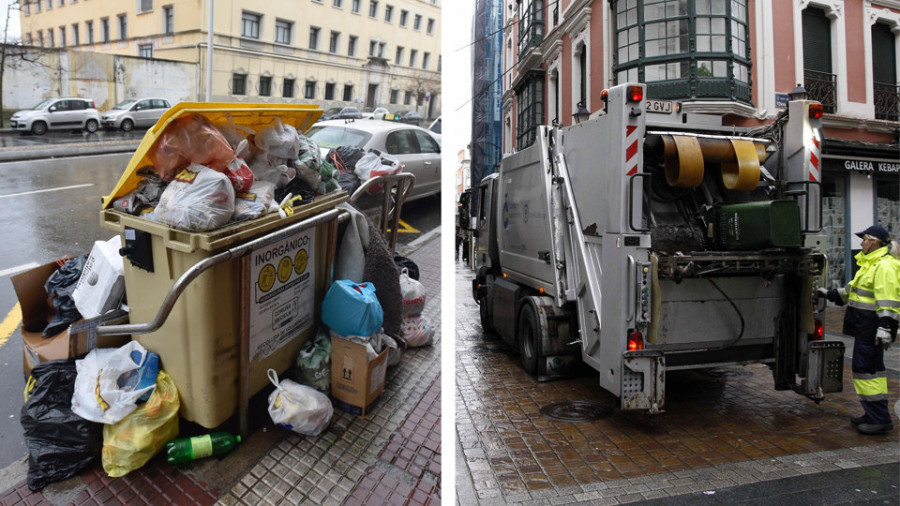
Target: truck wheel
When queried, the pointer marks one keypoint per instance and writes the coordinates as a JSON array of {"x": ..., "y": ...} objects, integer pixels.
[
  {"x": 486, "y": 325},
  {"x": 38, "y": 128},
  {"x": 529, "y": 338}
]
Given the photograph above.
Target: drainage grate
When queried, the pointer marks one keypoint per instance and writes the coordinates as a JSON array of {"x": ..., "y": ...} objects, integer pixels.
[{"x": 576, "y": 411}]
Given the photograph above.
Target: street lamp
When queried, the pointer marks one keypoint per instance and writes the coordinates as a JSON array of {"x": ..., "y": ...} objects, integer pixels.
[
  {"x": 798, "y": 93},
  {"x": 581, "y": 114}
]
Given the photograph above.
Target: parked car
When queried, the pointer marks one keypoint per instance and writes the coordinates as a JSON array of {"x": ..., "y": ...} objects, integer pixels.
[
  {"x": 418, "y": 151},
  {"x": 341, "y": 113},
  {"x": 140, "y": 113},
  {"x": 411, "y": 117},
  {"x": 376, "y": 114},
  {"x": 58, "y": 114},
  {"x": 435, "y": 126}
]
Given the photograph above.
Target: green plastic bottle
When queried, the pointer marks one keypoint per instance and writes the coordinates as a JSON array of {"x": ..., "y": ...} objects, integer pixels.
[{"x": 198, "y": 447}]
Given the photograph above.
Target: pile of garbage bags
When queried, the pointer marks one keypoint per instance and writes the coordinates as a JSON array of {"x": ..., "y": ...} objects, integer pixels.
[{"x": 204, "y": 176}]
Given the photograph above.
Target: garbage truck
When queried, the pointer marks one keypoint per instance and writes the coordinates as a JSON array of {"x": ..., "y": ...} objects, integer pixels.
[{"x": 645, "y": 240}]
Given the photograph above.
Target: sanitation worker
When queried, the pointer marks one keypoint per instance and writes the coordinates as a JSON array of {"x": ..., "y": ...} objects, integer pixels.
[{"x": 872, "y": 316}]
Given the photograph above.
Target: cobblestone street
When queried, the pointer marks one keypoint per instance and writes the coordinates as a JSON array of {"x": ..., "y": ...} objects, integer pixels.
[{"x": 722, "y": 428}]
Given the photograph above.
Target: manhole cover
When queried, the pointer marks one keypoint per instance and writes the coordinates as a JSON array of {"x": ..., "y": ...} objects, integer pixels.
[{"x": 576, "y": 411}]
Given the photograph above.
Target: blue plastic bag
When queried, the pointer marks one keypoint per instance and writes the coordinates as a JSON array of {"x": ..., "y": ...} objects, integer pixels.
[{"x": 352, "y": 309}]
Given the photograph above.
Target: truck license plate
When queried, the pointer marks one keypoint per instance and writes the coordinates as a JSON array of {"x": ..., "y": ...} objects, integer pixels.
[{"x": 660, "y": 106}]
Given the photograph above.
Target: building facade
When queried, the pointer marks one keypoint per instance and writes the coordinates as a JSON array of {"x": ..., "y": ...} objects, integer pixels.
[
  {"x": 368, "y": 53},
  {"x": 736, "y": 60}
]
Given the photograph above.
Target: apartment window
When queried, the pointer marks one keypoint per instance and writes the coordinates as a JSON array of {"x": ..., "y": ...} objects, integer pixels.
[
  {"x": 388, "y": 13},
  {"x": 407, "y": 97},
  {"x": 37, "y": 7},
  {"x": 531, "y": 21},
  {"x": 417, "y": 22},
  {"x": 426, "y": 59},
  {"x": 309, "y": 91},
  {"x": 398, "y": 59},
  {"x": 145, "y": 50},
  {"x": 62, "y": 36},
  {"x": 40, "y": 38},
  {"x": 283, "y": 31},
  {"x": 884, "y": 74},
  {"x": 49, "y": 4},
  {"x": 413, "y": 56},
  {"x": 373, "y": 48},
  {"x": 145, "y": 5},
  {"x": 430, "y": 26},
  {"x": 238, "y": 84},
  {"x": 333, "y": 42},
  {"x": 373, "y": 8},
  {"x": 314, "y": 37},
  {"x": 89, "y": 27},
  {"x": 168, "y": 19},
  {"x": 76, "y": 35},
  {"x": 28, "y": 39},
  {"x": 265, "y": 86},
  {"x": 818, "y": 78},
  {"x": 351, "y": 45},
  {"x": 123, "y": 27},
  {"x": 104, "y": 28},
  {"x": 394, "y": 94},
  {"x": 338, "y": 3},
  {"x": 287, "y": 88},
  {"x": 404, "y": 17},
  {"x": 250, "y": 25},
  {"x": 354, "y": 6},
  {"x": 530, "y": 108},
  {"x": 348, "y": 92},
  {"x": 329, "y": 91},
  {"x": 381, "y": 46},
  {"x": 26, "y": 9},
  {"x": 62, "y": 3},
  {"x": 682, "y": 50}
]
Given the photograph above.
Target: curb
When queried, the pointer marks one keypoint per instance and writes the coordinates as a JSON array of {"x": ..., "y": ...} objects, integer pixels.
[{"x": 26, "y": 154}]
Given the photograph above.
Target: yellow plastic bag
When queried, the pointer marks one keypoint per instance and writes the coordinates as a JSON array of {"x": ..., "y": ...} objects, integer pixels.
[{"x": 129, "y": 444}]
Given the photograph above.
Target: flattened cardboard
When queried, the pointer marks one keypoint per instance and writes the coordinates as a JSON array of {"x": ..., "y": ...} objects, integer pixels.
[
  {"x": 356, "y": 383},
  {"x": 37, "y": 311}
]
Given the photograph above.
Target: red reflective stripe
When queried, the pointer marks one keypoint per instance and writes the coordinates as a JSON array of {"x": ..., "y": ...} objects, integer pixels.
[
  {"x": 815, "y": 141},
  {"x": 632, "y": 171},
  {"x": 631, "y": 151},
  {"x": 812, "y": 177},
  {"x": 629, "y": 130},
  {"x": 814, "y": 160}
]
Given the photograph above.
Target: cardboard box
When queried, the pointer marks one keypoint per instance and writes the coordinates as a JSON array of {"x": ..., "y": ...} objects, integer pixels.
[
  {"x": 37, "y": 310},
  {"x": 356, "y": 383}
]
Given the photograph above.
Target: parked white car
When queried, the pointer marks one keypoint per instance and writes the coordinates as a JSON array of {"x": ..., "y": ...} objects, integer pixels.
[
  {"x": 58, "y": 114},
  {"x": 416, "y": 148},
  {"x": 140, "y": 113}
]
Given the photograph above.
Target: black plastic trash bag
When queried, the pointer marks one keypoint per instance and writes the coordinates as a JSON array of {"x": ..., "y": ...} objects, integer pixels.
[
  {"x": 60, "y": 443},
  {"x": 60, "y": 286},
  {"x": 411, "y": 268},
  {"x": 344, "y": 158}
]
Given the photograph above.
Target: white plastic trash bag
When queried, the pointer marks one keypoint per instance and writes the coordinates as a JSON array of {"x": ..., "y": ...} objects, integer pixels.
[
  {"x": 413, "y": 294},
  {"x": 416, "y": 331},
  {"x": 297, "y": 407},
  {"x": 110, "y": 381},
  {"x": 197, "y": 200}
]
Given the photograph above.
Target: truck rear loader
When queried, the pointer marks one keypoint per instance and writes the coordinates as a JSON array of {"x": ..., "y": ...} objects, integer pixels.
[{"x": 642, "y": 243}]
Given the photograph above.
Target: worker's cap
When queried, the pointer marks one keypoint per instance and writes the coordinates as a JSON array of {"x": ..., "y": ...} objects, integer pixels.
[{"x": 877, "y": 232}]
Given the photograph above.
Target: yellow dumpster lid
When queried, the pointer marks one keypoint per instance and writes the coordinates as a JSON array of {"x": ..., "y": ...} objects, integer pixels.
[{"x": 254, "y": 116}]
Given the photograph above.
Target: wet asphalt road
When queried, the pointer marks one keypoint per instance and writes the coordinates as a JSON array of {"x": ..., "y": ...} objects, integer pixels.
[{"x": 51, "y": 208}]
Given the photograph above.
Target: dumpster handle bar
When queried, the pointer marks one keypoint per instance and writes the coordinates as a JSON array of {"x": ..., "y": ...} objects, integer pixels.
[{"x": 235, "y": 252}]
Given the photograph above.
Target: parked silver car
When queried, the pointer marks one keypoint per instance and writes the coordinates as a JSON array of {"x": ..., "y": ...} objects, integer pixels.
[
  {"x": 418, "y": 151},
  {"x": 140, "y": 113},
  {"x": 58, "y": 114}
]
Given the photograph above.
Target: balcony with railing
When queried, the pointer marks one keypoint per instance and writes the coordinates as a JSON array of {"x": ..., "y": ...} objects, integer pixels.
[
  {"x": 887, "y": 101},
  {"x": 820, "y": 86}
]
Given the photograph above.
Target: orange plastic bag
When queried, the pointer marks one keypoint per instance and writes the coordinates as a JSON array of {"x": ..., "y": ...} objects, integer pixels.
[
  {"x": 129, "y": 444},
  {"x": 190, "y": 139}
]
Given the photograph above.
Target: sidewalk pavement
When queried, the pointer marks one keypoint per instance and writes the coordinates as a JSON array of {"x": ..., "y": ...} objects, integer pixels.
[
  {"x": 726, "y": 436},
  {"x": 393, "y": 456}
]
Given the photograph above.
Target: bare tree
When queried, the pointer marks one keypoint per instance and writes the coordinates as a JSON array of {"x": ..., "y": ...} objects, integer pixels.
[
  {"x": 13, "y": 53},
  {"x": 424, "y": 84}
]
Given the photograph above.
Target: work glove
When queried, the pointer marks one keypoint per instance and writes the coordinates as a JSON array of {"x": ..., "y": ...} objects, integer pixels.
[
  {"x": 883, "y": 338},
  {"x": 822, "y": 292}
]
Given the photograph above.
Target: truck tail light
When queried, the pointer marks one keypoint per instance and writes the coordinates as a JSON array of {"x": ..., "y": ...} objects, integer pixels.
[
  {"x": 634, "y": 94},
  {"x": 816, "y": 111},
  {"x": 819, "y": 332},
  {"x": 635, "y": 341}
]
